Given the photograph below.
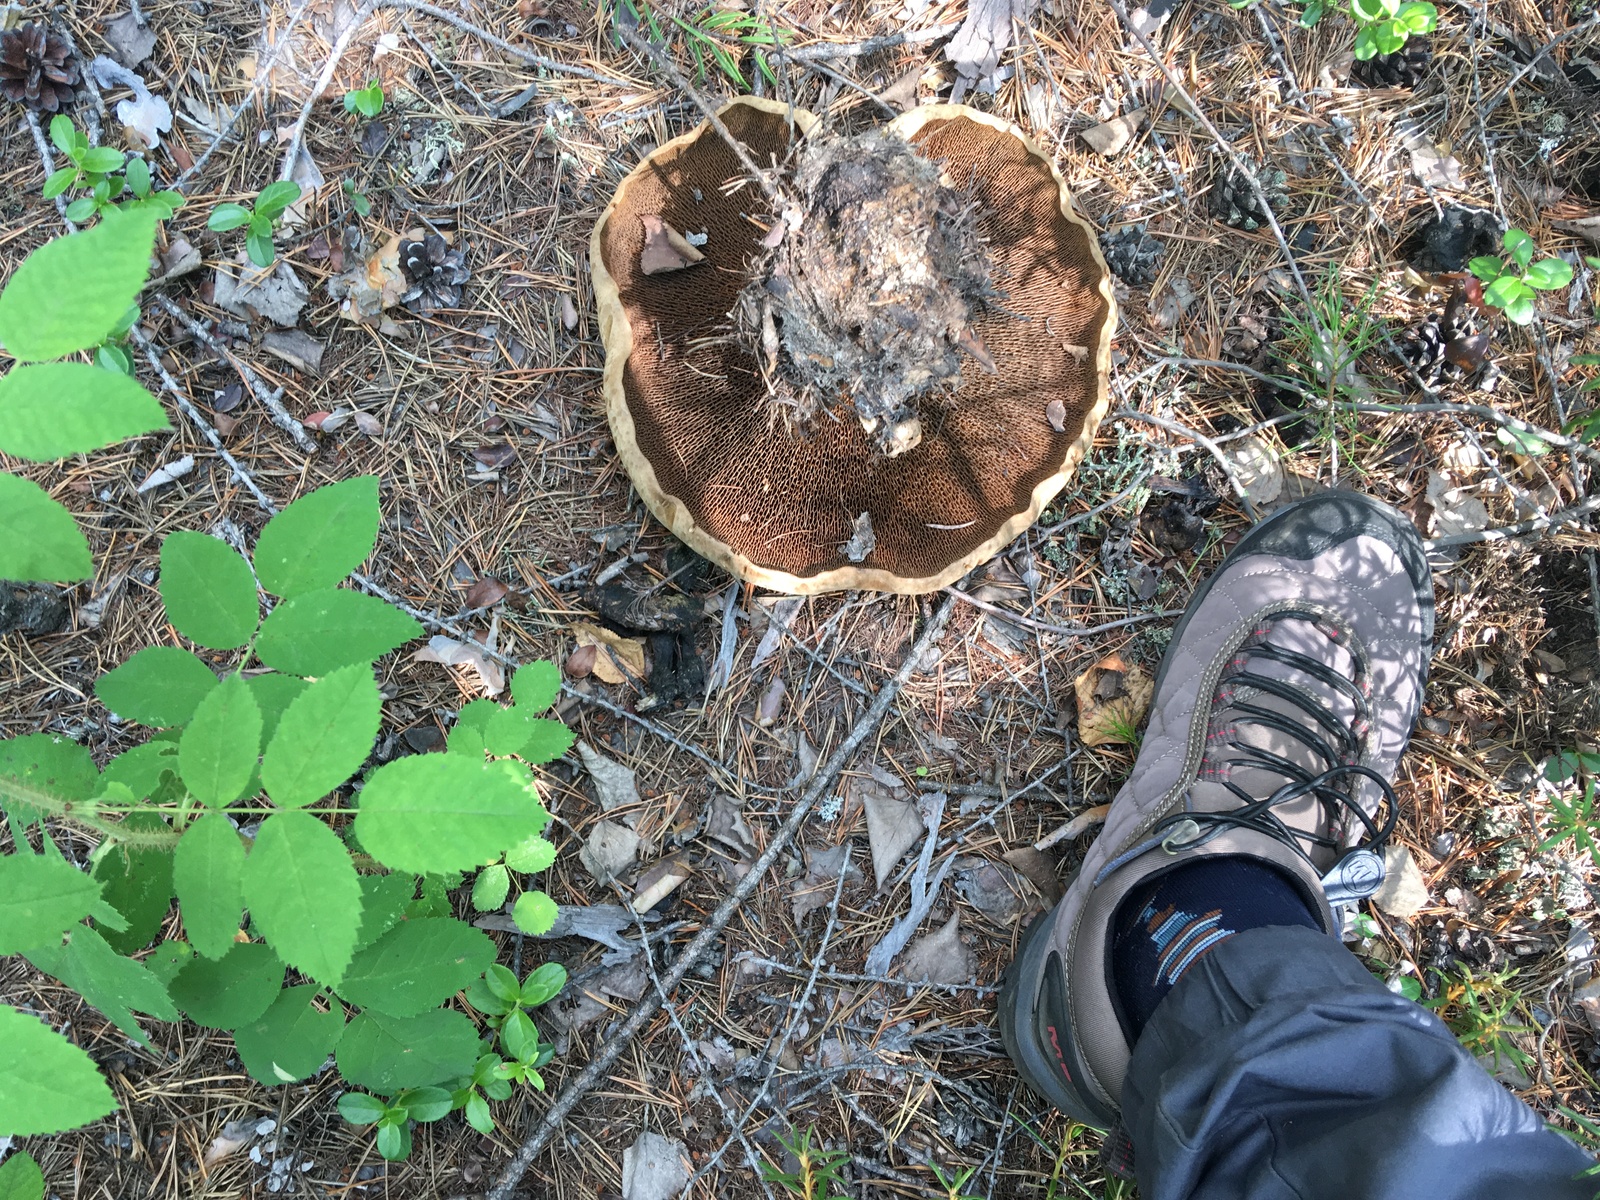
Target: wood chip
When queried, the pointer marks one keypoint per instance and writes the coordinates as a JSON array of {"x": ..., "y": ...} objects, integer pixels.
[{"x": 665, "y": 249}]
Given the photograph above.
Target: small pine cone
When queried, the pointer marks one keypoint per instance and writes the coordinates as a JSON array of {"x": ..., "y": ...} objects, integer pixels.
[
  {"x": 1402, "y": 69},
  {"x": 1133, "y": 255},
  {"x": 1423, "y": 348},
  {"x": 435, "y": 270},
  {"x": 1235, "y": 201},
  {"x": 37, "y": 69}
]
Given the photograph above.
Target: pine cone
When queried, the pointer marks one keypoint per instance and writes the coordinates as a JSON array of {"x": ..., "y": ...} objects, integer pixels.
[
  {"x": 37, "y": 69},
  {"x": 1133, "y": 255},
  {"x": 435, "y": 272},
  {"x": 1448, "y": 345},
  {"x": 1234, "y": 200},
  {"x": 1423, "y": 348},
  {"x": 1402, "y": 69}
]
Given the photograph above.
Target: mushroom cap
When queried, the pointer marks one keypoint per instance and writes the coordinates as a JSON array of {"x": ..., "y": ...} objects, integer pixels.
[{"x": 689, "y": 409}]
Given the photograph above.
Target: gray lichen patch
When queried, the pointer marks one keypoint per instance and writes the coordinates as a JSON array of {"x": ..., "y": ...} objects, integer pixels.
[{"x": 866, "y": 297}]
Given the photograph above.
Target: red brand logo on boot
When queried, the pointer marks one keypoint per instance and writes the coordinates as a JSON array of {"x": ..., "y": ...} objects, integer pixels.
[{"x": 1061, "y": 1059}]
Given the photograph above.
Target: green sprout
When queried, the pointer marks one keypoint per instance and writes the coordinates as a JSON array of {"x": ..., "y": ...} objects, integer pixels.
[
  {"x": 106, "y": 173},
  {"x": 367, "y": 101},
  {"x": 1383, "y": 26},
  {"x": 1509, "y": 284},
  {"x": 359, "y": 204},
  {"x": 269, "y": 206},
  {"x": 817, "y": 1171}
]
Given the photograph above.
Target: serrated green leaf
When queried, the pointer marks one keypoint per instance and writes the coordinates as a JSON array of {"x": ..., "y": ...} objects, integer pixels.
[
  {"x": 217, "y": 753},
  {"x": 274, "y": 692},
  {"x": 49, "y": 763},
  {"x": 445, "y": 812},
  {"x": 160, "y": 685},
  {"x": 325, "y": 735},
  {"x": 547, "y": 740},
  {"x": 319, "y": 632},
  {"x": 143, "y": 769},
  {"x": 388, "y": 1054},
  {"x": 534, "y": 913},
  {"x": 47, "y": 1085},
  {"x": 106, "y": 267},
  {"x": 490, "y": 888},
  {"x": 544, "y": 984},
  {"x": 167, "y": 959},
  {"x": 52, "y": 410},
  {"x": 20, "y": 1177},
  {"x": 115, "y": 985},
  {"x": 207, "y": 874},
  {"x": 227, "y": 992},
  {"x": 531, "y": 856},
  {"x": 137, "y": 883},
  {"x": 208, "y": 590},
  {"x": 470, "y": 732},
  {"x": 383, "y": 902},
  {"x": 320, "y": 538},
  {"x": 360, "y": 1109},
  {"x": 39, "y": 541},
  {"x": 292, "y": 1039},
  {"x": 536, "y": 686},
  {"x": 302, "y": 892},
  {"x": 41, "y": 897},
  {"x": 416, "y": 966}
]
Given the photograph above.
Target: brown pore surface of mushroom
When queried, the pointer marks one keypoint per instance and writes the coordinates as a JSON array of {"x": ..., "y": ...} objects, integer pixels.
[{"x": 777, "y": 506}]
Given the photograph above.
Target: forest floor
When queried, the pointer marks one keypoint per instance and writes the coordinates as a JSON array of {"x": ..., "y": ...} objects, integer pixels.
[{"x": 504, "y": 499}]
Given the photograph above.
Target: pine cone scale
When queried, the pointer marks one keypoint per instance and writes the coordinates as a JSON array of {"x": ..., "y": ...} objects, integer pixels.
[{"x": 37, "y": 69}]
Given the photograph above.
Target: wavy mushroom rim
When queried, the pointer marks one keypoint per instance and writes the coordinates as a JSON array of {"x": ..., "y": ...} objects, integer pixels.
[{"x": 616, "y": 336}]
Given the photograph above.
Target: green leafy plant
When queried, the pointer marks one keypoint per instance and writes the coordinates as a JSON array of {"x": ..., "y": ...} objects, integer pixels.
[
  {"x": 367, "y": 101},
  {"x": 359, "y": 204},
  {"x": 712, "y": 35},
  {"x": 1510, "y": 283},
  {"x": 1572, "y": 815},
  {"x": 951, "y": 1184},
  {"x": 239, "y": 801},
  {"x": 106, "y": 173},
  {"x": 1482, "y": 1011},
  {"x": 393, "y": 1117},
  {"x": 1383, "y": 26},
  {"x": 259, "y": 220},
  {"x": 817, "y": 1174}
]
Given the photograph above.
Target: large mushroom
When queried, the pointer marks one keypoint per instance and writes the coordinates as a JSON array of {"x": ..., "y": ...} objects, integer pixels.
[{"x": 874, "y": 371}]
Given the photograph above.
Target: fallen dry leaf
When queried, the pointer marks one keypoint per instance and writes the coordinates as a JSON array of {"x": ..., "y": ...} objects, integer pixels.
[
  {"x": 1112, "y": 699},
  {"x": 1110, "y": 138},
  {"x": 771, "y": 704},
  {"x": 1036, "y": 867},
  {"x": 815, "y": 890},
  {"x": 654, "y": 1168},
  {"x": 1584, "y": 227},
  {"x": 452, "y": 653},
  {"x": 581, "y": 661},
  {"x": 725, "y": 824},
  {"x": 995, "y": 890},
  {"x": 665, "y": 249},
  {"x": 176, "y": 469},
  {"x": 1056, "y": 413},
  {"x": 617, "y": 659},
  {"x": 610, "y": 850},
  {"x": 494, "y": 455},
  {"x": 486, "y": 593},
  {"x": 368, "y": 424},
  {"x": 615, "y": 785},
  {"x": 660, "y": 881},
  {"x": 938, "y": 957},
  {"x": 893, "y": 827}
]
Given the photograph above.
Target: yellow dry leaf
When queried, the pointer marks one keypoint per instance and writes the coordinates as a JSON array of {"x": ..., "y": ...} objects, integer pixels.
[
  {"x": 1112, "y": 700},
  {"x": 617, "y": 658}
]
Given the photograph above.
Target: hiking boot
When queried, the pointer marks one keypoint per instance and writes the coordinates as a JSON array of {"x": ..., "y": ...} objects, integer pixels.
[{"x": 1280, "y": 711}]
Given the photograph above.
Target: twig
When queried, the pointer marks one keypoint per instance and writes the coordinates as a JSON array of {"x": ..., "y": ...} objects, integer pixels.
[
  {"x": 1063, "y": 630},
  {"x": 1199, "y": 439},
  {"x": 340, "y": 45},
  {"x": 642, "y": 1011},
  {"x": 858, "y": 977},
  {"x": 1494, "y": 101},
  {"x": 1563, "y": 516},
  {"x": 527, "y": 56},
  {"x": 270, "y": 398},
  {"x": 872, "y": 45}
]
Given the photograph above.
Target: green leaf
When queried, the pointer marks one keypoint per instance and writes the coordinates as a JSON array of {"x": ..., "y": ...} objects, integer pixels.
[
  {"x": 1503, "y": 290},
  {"x": 62, "y": 134},
  {"x": 292, "y": 1039},
  {"x": 320, "y": 538},
  {"x": 59, "y": 182},
  {"x": 445, "y": 812},
  {"x": 208, "y": 590},
  {"x": 383, "y": 903},
  {"x": 1522, "y": 441},
  {"x": 47, "y": 1085},
  {"x": 394, "y": 1141},
  {"x": 478, "y": 1115},
  {"x": 49, "y": 763},
  {"x": 137, "y": 173},
  {"x": 318, "y": 632},
  {"x": 1419, "y": 17},
  {"x": 51, "y": 410},
  {"x": 416, "y": 966},
  {"x": 547, "y": 740},
  {"x": 276, "y": 197},
  {"x": 519, "y": 1037},
  {"x": 428, "y": 1104},
  {"x": 301, "y": 889},
  {"x": 81, "y": 209},
  {"x": 114, "y": 359},
  {"x": 20, "y": 1177},
  {"x": 207, "y": 872},
  {"x": 102, "y": 160},
  {"x": 41, "y": 897},
  {"x": 1368, "y": 10},
  {"x": 544, "y": 985},
  {"x": 534, "y": 912},
  {"x": 160, "y": 685},
  {"x": 38, "y": 538},
  {"x": 117, "y": 986},
  {"x": 1548, "y": 274},
  {"x": 137, "y": 883},
  {"x": 228, "y": 216},
  {"x": 490, "y": 888},
  {"x": 469, "y": 735},
  {"x": 325, "y": 735},
  {"x": 218, "y": 751},
  {"x": 227, "y": 992},
  {"x": 167, "y": 959},
  {"x": 388, "y": 1054},
  {"x": 106, "y": 267},
  {"x": 259, "y": 246},
  {"x": 536, "y": 686},
  {"x": 502, "y": 984},
  {"x": 531, "y": 856},
  {"x": 360, "y": 1109},
  {"x": 1486, "y": 267},
  {"x": 1389, "y": 36},
  {"x": 274, "y": 692},
  {"x": 1520, "y": 309}
]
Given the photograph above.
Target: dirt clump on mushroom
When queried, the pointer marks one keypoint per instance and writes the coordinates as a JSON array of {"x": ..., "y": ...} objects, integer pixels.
[{"x": 867, "y": 291}]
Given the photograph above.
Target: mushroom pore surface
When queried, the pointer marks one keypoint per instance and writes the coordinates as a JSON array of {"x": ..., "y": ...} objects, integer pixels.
[
  {"x": 780, "y": 505},
  {"x": 865, "y": 299}
]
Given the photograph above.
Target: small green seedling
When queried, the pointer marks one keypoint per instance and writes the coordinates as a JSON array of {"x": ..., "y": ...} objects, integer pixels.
[
  {"x": 1383, "y": 26},
  {"x": 269, "y": 206},
  {"x": 952, "y": 1183},
  {"x": 106, "y": 173},
  {"x": 367, "y": 101},
  {"x": 1510, "y": 285},
  {"x": 359, "y": 204},
  {"x": 112, "y": 354},
  {"x": 817, "y": 1173},
  {"x": 393, "y": 1117},
  {"x": 1573, "y": 819}
]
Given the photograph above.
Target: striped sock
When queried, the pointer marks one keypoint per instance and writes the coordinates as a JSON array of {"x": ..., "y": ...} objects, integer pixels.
[{"x": 1166, "y": 925}]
